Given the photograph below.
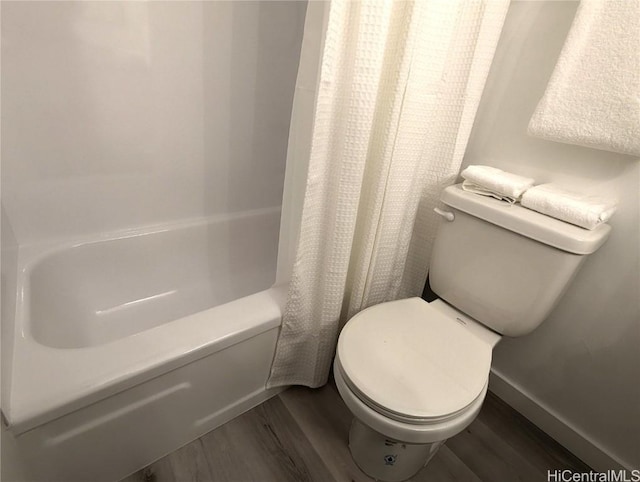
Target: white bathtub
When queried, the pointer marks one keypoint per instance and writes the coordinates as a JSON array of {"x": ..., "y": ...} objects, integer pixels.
[{"x": 129, "y": 346}]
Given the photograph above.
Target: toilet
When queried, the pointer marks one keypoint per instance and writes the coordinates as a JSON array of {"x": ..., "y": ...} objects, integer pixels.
[{"x": 415, "y": 373}]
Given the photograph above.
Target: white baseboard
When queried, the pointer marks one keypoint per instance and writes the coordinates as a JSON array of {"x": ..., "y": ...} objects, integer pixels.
[{"x": 598, "y": 458}]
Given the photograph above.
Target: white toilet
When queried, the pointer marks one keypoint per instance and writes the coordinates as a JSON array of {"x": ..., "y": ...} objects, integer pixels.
[{"x": 415, "y": 373}]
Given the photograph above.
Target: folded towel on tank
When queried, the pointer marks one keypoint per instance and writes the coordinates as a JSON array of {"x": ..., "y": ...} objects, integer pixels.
[
  {"x": 490, "y": 181},
  {"x": 584, "y": 210}
]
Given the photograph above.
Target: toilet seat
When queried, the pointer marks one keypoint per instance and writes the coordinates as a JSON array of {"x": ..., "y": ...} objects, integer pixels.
[
  {"x": 413, "y": 363},
  {"x": 401, "y": 431},
  {"x": 401, "y": 417}
]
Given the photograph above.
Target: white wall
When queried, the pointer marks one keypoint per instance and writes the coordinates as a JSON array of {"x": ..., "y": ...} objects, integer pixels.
[
  {"x": 582, "y": 366},
  {"x": 118, "y": 114}
]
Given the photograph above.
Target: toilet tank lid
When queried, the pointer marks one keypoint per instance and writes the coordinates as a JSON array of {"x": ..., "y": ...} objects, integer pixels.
[{"x": 526, "y": 222}]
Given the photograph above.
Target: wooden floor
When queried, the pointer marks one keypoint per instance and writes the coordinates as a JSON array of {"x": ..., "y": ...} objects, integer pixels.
[{"x": 301, "y": 435}]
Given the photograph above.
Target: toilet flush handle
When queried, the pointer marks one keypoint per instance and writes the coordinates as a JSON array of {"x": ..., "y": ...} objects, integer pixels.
[{"x": 449, "y": 216}]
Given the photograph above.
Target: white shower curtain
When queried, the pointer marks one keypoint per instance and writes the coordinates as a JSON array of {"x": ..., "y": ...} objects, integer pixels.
[{"x": 398, "y": 90}]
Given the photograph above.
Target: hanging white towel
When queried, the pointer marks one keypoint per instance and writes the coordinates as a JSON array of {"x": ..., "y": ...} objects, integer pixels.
[
  {"x": 593, "y": 97},
  {"x": 583, "y": 210},
  {"x": 496, "y": 183}
]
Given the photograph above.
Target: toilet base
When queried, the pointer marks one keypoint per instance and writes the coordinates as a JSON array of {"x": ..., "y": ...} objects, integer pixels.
[{"x": 386, "y": 459}]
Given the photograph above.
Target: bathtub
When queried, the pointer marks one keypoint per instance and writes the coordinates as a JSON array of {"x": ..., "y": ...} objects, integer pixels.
[{"x": 129, "y": 346}]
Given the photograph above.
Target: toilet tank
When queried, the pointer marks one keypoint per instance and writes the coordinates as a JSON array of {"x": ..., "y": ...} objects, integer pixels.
[{"x": 504, "y": 265}]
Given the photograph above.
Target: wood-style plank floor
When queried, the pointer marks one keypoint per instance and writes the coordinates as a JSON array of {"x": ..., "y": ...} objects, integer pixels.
[{"x": 301, "y": 435}]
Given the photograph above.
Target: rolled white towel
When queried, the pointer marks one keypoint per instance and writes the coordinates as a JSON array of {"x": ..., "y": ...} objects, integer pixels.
[
  {"x": 584, "y": 210},
  {"x": 489, "y": 181}
]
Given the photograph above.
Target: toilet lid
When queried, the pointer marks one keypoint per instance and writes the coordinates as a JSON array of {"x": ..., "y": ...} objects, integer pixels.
[{"x": 413, "y": 361}]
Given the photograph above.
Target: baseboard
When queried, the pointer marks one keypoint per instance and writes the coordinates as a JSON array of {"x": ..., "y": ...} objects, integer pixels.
[{"x": 554, "y": 425}]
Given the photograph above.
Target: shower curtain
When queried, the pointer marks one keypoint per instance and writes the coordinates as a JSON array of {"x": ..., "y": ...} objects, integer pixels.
[{"x": 397, "y": 92}]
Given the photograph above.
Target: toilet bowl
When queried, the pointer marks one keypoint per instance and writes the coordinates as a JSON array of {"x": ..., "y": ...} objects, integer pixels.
[
  {"x": 415, "y": 373},
  {"x": 411, "y": 382}
]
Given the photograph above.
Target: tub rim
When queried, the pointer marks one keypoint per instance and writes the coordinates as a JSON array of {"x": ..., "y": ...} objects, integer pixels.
[{"x": 33, "y": 400}]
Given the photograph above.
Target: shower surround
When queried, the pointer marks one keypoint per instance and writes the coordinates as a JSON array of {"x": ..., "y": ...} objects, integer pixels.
[{"x": 144, "y": 149}]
